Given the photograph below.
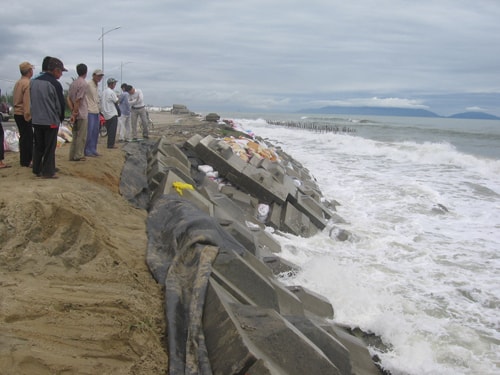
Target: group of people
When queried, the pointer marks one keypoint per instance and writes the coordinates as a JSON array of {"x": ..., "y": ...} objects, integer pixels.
[{"x": 39, "y": 109}]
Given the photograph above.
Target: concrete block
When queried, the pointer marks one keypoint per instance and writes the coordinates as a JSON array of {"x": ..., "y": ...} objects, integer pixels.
[
  {"x": 256, "y": 161},
  {"x": 227, "y": 350},
  {"x": 289, "y": 186},
  {"x": 240, "y": 233},
  {"x": 276, "y": 216},
  {"x": 232, "y": 290},
  {"x": 200, "y": 201},
  {"x": 289, "y": 303},
  {"x": 266, "y": 243},
  {"x": 259, "y": 266},
  {"x": 244, "y": 339},
  {"x": 264, "y": 180},
  {"x": 305, "y": 175},
  {"x": 209, "y": 150},
  {"x": 309, "y": 184},
  {"x": 313, "y": 302},
  {"x": 311, "y": 204},
  {"x": 313, "y": 193},
  {"x": 227, "y": 210},
  {"x": 260, "y": 183},
  {"x": 156, "y": 171},
  {"x": 292, "y": 172},
  {"x": 192, "y": 142},
  {"x": 297, "y": 223},
  {"x": 237, "y": 212},
  {"x": 262, "y": 368},
  {"x": 254, "y": 187},
  {"x": 246, "y": 278},
  {"x": 222, "y": 201},
  {"x": 167, "y": 148},
  {"x": 267, "y": 164},
  {"x": 336, "y": 352},
  {"x": 309, "y": 207},
  {"x": 361, "y": 361},
  {"x": 194, "y": 196},
  {"x": 255, "y": 181},
  {"x": 239, "y": 196},
  {"x": 160, "y": 165},
  {"x": 236, "y": 162},
  {"x": 224, "y": 149},
  {"x": 280, "y": 343},
  {"x": 208, "y": 188},
  {"x": 279, "y": 265},
  {"x": 276, "y": 170}
]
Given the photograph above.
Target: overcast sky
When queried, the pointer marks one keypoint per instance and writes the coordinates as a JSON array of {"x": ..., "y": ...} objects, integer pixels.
[{"x": 272, "y": 55}]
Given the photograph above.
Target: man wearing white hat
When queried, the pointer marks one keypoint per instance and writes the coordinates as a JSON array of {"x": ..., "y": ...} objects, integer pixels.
[{"x": 92, "y": 97}]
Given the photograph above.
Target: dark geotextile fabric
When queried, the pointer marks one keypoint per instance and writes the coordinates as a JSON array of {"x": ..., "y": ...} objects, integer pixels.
[
  {"x": 183, "y": 242},
  {"x": 133, "y": 179}
]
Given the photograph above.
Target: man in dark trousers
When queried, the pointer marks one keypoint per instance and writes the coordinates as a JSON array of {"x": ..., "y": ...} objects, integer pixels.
[
  {"x": 22, "y": 114},
  {"x": 47, "y": 113}
]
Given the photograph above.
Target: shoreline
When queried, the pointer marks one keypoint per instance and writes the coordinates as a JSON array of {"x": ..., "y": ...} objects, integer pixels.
[{"x": 87, "y": 282}]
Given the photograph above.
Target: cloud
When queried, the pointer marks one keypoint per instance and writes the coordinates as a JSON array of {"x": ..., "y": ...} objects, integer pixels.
[
  {"x": 475, "y": 109},
  {"x": 271, "y": 54}
]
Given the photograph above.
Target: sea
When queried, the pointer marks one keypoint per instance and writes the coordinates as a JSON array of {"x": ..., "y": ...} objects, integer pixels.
[{"x": 421, "y": 200}]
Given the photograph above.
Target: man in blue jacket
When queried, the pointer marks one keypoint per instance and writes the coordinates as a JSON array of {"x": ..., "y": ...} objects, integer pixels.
[{"x": 47, "y": 113}]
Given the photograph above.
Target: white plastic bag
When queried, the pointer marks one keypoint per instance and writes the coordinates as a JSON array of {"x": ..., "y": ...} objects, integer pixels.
[
  {"x": 205, "y": 168},
  {"x": 11, "y": 140},
  {"x": 262, "y": 212}
]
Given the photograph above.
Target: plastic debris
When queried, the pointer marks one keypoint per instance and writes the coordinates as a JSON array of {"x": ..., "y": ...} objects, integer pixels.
[{"x": 181, "y": 186}]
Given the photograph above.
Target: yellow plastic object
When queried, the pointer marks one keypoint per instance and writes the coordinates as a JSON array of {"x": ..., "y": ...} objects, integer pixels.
[{"x": 181, "y": 186}]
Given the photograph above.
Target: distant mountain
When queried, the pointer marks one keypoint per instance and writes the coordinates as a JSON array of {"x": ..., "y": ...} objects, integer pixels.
[
  {"x": 391, "y": 111},
  {"x": 475, "y": 115},
  {"x": 374, "y": 111}
]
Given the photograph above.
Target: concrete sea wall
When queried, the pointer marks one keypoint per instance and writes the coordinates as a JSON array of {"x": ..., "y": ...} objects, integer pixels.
[{"x": 210, "y": 201}]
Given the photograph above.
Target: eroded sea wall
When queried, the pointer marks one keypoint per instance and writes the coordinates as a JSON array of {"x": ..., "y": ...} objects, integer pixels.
[{"x": 209, "y": 245}]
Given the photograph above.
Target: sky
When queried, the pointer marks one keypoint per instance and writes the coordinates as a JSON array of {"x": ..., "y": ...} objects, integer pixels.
[{"x": 272, "y": 55}]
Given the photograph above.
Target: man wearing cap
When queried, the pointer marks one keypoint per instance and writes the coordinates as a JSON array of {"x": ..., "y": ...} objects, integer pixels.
[
  {"x": 79, "y": 114},
  {"x": 47, "y": 112},
  {"x": 92, "y": 97},
  {"x": 22, "y": 114},
  {"x": 109, "y": 111}
]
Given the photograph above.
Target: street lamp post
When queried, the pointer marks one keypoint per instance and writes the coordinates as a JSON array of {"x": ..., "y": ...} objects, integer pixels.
[
  {"x": 102, "y": 45},
  {"x": 121, "y": 70}
]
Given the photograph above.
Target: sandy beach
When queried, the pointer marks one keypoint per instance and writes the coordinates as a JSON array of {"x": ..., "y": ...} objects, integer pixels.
[{"x": 76, "y": 296}]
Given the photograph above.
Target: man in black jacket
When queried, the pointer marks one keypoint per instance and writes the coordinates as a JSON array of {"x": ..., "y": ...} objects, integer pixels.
[{"x": 47, "y": 112}]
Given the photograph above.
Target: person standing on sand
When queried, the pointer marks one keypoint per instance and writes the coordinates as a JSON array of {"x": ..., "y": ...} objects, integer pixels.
[
  {"x": 138, "y": 109},
  {"x": 47, "y": 111},
  {"x": 124, "y": 131},
  {"x": 22, "y": 114},
  {"x": 92, "y": 97},
  {"x": 79, "y": 114},
  {"x": 109, "y": 103},
  {"x": 45, "y": 64}
]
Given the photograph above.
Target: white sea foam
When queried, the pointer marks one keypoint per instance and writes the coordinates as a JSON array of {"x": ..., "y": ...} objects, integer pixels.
[{"x": 423, "y": 277}]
